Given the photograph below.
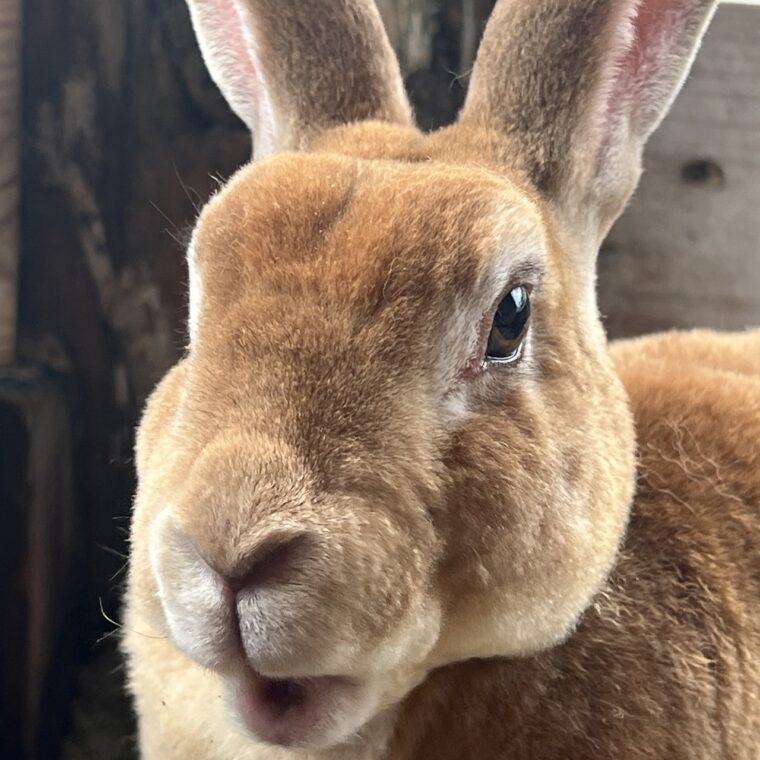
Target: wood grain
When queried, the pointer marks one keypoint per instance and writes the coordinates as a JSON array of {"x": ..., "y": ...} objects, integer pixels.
[
  {"x": 38, "y": 529},
  {"x": 10, "y": 41}
]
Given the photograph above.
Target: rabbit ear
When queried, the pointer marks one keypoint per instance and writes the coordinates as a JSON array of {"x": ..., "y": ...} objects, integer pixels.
[
  {"x": 291, "y": 68},
  {"x": 578, "y": 86}
]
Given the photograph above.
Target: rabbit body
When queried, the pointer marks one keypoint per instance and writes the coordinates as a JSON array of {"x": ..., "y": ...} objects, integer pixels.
[
  {"x": 666, "y": 661},
  {"x": 401, "y": 500}
]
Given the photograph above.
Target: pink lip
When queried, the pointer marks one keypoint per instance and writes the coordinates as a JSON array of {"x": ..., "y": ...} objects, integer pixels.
[{"x": 288, "y": 711}]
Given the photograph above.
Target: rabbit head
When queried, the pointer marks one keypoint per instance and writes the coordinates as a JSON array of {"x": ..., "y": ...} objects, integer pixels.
[{"x": 397, "y": 440}]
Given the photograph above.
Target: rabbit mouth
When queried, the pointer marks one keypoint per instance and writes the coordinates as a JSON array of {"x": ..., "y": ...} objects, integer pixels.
[{"x": 291, "y": 712}]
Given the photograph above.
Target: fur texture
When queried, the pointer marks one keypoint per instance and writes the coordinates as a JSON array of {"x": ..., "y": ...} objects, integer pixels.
[
  {"x": 665, "y": 663},
  {"x": 352, "y": 540},
  {"x": 341, "y": 53}
]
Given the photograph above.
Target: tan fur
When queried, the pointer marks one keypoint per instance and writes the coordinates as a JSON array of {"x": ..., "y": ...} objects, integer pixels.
[
  {"x": 343, "y": 54},
  {"x": 461, "y": 548},
  {"x": 666, "y": 662}
]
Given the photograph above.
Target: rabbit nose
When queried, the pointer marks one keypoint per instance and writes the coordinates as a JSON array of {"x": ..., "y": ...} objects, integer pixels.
[
  {"x": 256, "y": 592},
  {"x": 275, "y": 598},
  {"x": 274, "y": 563}
]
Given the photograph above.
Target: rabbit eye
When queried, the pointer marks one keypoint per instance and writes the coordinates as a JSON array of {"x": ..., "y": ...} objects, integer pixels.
[{"x": 510, "y": 325}]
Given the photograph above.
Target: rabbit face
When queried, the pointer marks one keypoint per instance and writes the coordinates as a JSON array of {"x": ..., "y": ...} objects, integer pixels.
[
  {"x": 397, "y": 440},
  {"x": 339, "y": 490}
]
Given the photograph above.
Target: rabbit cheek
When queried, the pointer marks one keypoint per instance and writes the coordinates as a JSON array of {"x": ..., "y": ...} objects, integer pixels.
[{"x": 556, "y": 502}]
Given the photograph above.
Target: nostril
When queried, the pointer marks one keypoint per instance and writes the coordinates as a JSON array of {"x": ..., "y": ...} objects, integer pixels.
[
  {"x": 281, "y": 696},
  {"x": 274, "y": 562}
]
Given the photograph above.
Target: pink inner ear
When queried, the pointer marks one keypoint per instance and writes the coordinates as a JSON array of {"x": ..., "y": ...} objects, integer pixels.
[
  {"x": 644, "y": 64},
  {"x": 650, "y": 15},
  {"x": 646, "y": 67},
  {"x": 225, "y": 33}
]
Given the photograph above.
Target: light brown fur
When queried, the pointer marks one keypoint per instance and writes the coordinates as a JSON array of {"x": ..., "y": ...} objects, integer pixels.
[
  {"x": 462, "y": 553},
  {"x": 666, "y": 662}
]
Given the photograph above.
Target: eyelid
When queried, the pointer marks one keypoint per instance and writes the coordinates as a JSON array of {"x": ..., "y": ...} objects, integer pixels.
[{"x": 529, "y": 274}]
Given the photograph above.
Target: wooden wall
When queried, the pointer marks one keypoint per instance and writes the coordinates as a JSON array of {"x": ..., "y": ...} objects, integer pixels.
[
  {"x": 10, "y": 70},
  {"x": 40, "y": 551}
]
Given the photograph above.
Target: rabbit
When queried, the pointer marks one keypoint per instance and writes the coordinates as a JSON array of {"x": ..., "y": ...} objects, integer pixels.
[{"x": 401, "y": 499}]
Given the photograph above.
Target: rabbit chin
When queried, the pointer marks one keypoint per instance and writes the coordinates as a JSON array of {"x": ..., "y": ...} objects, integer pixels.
[{"x": 306, "y": 713}]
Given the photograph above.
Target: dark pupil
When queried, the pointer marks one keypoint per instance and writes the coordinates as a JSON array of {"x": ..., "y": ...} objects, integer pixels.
[{"x": 509, "y": 324}]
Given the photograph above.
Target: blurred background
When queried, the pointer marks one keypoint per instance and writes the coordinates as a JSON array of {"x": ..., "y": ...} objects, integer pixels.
[{"x": 112, "y": 136}]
